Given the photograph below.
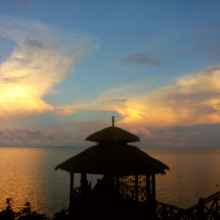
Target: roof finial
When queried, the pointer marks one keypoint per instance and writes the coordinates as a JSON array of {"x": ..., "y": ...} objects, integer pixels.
[{"x": 113, "y": 121}]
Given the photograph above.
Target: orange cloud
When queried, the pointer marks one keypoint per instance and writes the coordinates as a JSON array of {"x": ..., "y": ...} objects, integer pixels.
[
  {"x": 193, "y": 99},
  {"x": 34, "y": 67}
]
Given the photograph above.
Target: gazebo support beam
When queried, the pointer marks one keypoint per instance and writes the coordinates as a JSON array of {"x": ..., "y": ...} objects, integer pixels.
[
  {"x": 153, "y": 182},
  {"x": 153, "y": 192},
  {"x": 84, "y": 184},
  {"x": 117, "y": 184},
  {"x": 148, "y": 187},
  {"x": 71, "y": 189},
  {"x": 136, "y": 187}
]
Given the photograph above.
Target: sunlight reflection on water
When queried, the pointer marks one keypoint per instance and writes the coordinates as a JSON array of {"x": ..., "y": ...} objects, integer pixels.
[{"x": 27, "y": 174}]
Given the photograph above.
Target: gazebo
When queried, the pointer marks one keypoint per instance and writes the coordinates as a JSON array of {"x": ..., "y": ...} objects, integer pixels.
[{"x": 129, "y": 168}]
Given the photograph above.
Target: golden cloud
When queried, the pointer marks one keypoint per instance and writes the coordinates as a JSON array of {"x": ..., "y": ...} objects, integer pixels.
[
  {"x": 34, "y": 67},
  {"x": 193, "y": 99}
]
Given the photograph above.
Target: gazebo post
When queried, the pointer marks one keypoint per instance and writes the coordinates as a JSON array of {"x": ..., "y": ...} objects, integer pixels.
[
  {"x": 71, "y": 190},
  {"x": 117, "y": 184},
  {"x": 136, "y": 187},
  {"x": 148, "y": 187},
  {"x": 153, "y": 187},
  {"x": 84, "y": 183}
]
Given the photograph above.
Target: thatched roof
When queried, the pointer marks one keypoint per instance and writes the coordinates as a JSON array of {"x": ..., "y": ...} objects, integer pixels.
[
  {"x": 112, "y": 135},
  {"x": 113, "y": 159}
]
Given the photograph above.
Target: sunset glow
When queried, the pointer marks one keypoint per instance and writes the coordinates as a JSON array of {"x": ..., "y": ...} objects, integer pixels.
[
  {"x": 60, "y": 78},
  {"x": 109, "y": 107}
]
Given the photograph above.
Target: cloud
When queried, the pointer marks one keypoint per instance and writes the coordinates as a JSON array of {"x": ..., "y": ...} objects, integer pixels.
[
  {"x": 184, "y": 113},
  {"x": 73, "y": 133},
  {"x": 68, "y": 134},
  {"x": 193, "y": 136},
  {"x": 141, "y": 58},
  {"x": 191, "y": 100},
  {"x": 37, "y": 63}
]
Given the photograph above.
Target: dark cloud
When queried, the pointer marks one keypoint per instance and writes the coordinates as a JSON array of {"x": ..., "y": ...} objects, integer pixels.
[
  {"x": 195, "y": 136},
  {"x": 35, "y": 43},
  {"x": 33, "y": 137},
  {"x": 72, "y": 133},
  {"x": 141, "y": 58}
]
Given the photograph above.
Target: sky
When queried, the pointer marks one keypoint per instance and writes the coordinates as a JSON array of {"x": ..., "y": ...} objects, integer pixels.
[{"x": 67, "y": 66}]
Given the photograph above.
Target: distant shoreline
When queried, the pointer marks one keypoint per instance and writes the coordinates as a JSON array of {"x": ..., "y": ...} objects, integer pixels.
[{"x": 159, "y": 149}]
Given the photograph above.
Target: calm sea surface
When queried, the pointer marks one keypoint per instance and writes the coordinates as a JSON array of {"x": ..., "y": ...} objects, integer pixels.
[{"x": 27, "y": 174}]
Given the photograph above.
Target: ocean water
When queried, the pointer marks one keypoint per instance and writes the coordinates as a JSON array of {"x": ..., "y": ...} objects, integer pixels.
[{"x": 28, "y": 174}]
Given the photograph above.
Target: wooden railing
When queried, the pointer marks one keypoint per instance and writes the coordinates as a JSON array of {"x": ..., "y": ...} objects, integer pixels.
[
  {"x": 167, "y": 211},
  {"x": 206, "y": 209}
]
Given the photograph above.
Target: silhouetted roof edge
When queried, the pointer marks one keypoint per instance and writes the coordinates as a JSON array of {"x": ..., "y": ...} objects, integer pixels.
[
  {"x": 113, "y": 134},
  {"x": 125, "y": 160}
]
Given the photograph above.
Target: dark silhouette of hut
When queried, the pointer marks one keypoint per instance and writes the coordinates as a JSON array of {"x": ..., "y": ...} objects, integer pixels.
[{"x": 119, "y": 162}]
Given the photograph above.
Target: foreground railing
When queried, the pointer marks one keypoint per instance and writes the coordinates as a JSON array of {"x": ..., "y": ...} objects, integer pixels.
[
  {"x": 167, "y": 211},
  {"x": 206, "y": 209}
]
